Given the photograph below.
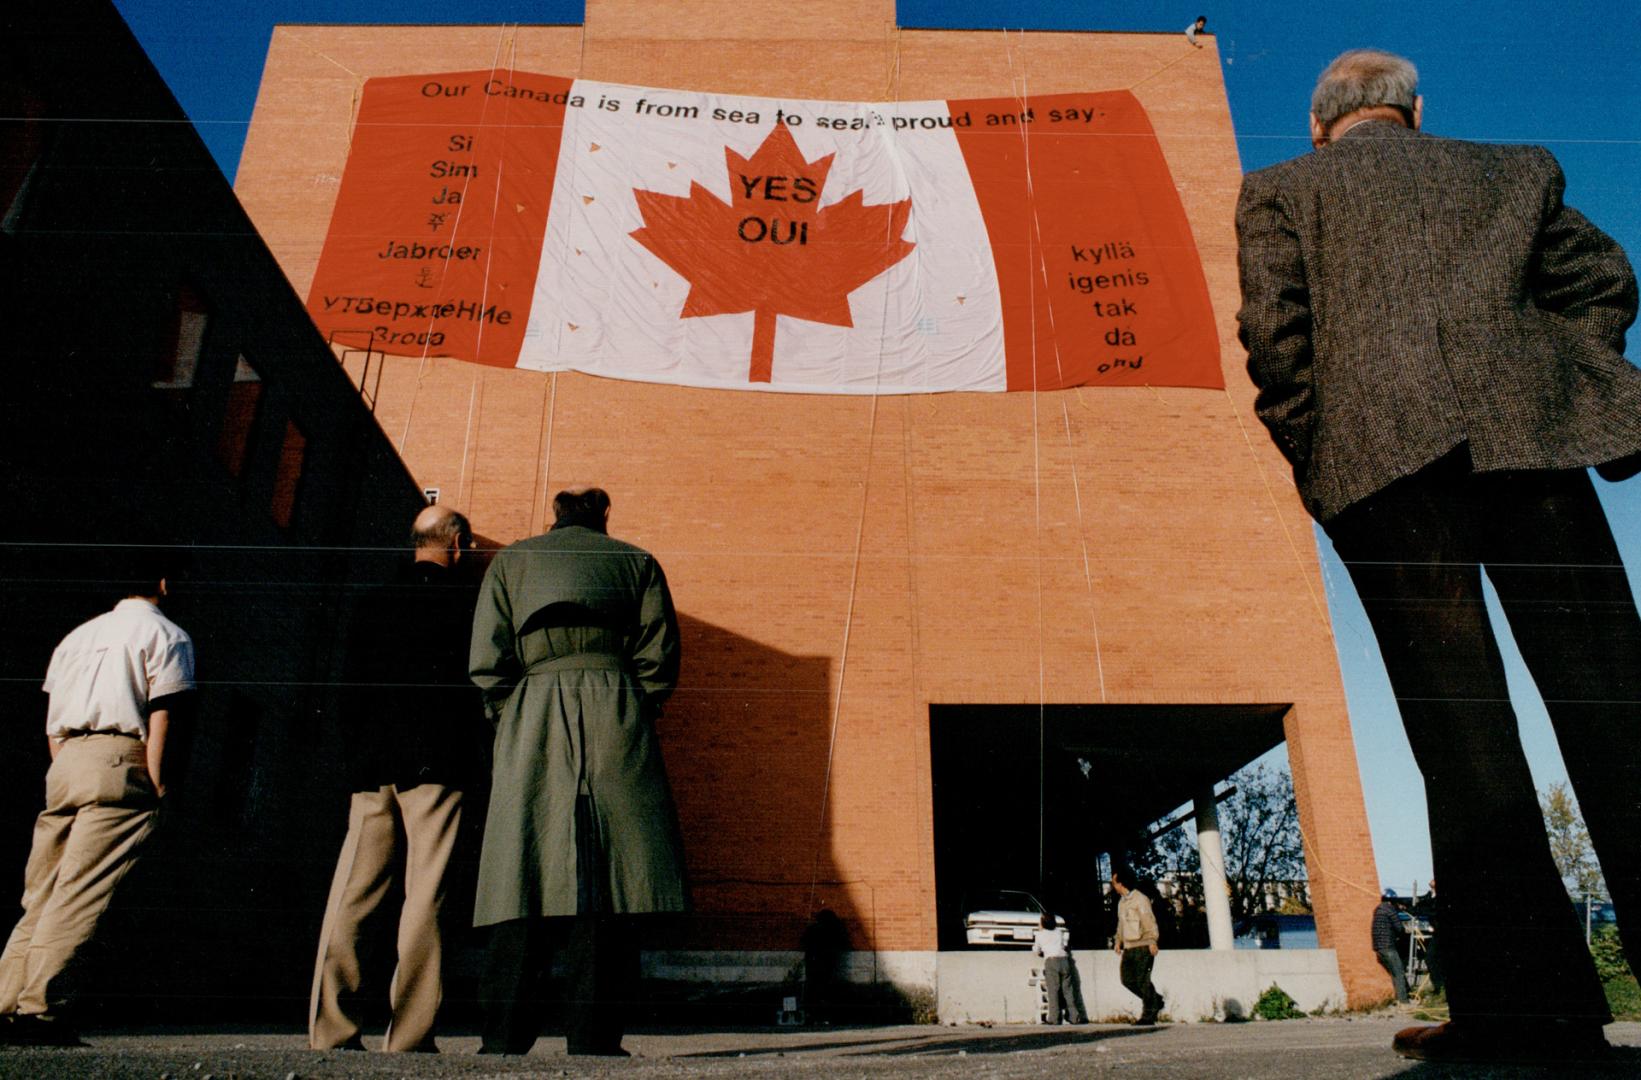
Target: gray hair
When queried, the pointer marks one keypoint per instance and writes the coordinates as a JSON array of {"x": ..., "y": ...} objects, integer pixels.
[{"x": 1361, "y": 79}]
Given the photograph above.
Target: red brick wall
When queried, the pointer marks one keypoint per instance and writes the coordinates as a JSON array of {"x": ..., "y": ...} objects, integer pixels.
[{"x": 844, "y": 562}]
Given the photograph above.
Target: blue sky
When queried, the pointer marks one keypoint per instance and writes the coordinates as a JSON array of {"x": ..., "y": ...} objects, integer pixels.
[{"x": 1561, "y": 73}]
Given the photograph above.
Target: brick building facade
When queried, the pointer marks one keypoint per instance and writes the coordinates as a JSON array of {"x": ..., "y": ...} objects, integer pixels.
[{"x": 848, "y": 567}]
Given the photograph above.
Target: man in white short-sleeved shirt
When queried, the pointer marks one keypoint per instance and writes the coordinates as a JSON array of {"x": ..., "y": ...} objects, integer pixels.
[
  {"x": 1052, "y": 942},
  {"x": 115, "y": 683}
]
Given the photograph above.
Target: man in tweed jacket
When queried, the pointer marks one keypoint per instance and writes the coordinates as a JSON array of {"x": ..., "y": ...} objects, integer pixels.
[{"x": 1438, "y": 346}]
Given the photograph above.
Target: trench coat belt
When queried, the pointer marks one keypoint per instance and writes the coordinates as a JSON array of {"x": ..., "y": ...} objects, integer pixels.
[{"x": 587, "y": 661}]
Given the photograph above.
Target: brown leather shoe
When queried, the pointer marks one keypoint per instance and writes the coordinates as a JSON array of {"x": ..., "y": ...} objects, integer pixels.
[{"x": 1524, "y": 1041}]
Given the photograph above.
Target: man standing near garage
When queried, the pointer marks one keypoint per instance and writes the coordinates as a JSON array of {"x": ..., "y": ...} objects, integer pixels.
[
  {"x": 575, "y": 647},
  {"x": 1053, "y": 943},
  {"x": 1136, "y": 942}
]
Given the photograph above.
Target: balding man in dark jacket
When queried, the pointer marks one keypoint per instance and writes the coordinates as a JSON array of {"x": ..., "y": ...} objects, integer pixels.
[
  {"x": 1438, "y": 345},
  {"x": 415, "y": 738}
]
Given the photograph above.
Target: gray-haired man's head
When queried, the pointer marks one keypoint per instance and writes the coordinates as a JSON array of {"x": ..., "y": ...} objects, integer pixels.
[{"x": 1364, "y": 81}]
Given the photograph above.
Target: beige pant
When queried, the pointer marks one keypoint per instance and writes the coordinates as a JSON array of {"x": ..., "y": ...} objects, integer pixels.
[
  {"x": 100, "y": 808},
  {"x": 394, "y": 837}
]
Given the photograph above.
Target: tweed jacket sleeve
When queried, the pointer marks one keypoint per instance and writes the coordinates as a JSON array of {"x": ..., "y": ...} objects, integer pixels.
[
  {"x": 1274, "y": 324},
  {"x": 1580, "y": 273}
]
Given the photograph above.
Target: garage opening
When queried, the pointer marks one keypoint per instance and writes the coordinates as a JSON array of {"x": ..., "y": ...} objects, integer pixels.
[{"x": 1029, "y": 799}]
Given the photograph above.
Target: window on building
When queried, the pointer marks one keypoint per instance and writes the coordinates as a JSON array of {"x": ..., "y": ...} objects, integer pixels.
[
  {"x": 177, "y": 362},
  {"x": 26, "y": 137},
  {"x": 239, "y": 417},
  {"x": 288, "y": 474}
]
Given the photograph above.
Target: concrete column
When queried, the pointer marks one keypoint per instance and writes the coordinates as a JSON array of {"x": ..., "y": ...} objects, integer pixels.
[{"x": 1214, "y": 896}]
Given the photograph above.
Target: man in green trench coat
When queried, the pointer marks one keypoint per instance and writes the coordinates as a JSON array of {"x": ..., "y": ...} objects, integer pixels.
[{"x": 575, "y": 647}]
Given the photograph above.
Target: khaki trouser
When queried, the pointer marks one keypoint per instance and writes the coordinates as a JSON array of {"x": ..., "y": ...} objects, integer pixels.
[
  {"x": 394, "y": 837},
  {"x": 100, "y": 808}
]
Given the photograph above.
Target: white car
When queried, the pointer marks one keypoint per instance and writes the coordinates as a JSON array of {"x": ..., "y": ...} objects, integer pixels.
[{"x": 1003, "y": 917}]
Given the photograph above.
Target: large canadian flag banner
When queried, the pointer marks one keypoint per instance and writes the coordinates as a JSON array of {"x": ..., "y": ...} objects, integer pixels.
[{"x": 756, "y": 243}]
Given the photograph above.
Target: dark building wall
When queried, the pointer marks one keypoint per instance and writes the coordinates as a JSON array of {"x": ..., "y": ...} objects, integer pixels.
[{"x": 121, "y": 243}]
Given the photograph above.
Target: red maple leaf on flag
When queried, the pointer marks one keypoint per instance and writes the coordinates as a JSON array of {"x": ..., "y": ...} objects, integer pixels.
[{"x": 772, "y": 250}]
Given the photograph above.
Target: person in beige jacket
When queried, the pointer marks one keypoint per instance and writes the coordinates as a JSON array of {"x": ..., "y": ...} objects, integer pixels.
[{"x": 1136, "y": 942}]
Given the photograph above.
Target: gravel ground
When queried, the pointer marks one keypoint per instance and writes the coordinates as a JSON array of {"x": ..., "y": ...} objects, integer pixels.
[{"x": 1350, "y": 1047}]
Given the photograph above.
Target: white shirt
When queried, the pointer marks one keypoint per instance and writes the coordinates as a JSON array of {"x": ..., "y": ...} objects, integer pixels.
[
  {"x": 103, "y": 675},
  {"x": 1052, "y": 942}
]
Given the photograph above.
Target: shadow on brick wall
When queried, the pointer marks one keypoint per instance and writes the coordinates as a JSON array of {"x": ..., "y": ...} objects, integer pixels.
[{"x": 746, "y": 738}]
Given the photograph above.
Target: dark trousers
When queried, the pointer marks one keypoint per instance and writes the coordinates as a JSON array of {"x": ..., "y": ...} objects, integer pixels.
[
  {"x": 1391, "y": 961},
  {"x": 601, "y": 958},
  {"x": 1511, "y": 945},
  {"x": 600, "y": 955},
  {"x": 1136, "y": 978},
  {"x": 1059, "y": 986}
]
